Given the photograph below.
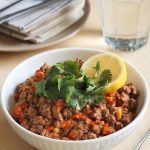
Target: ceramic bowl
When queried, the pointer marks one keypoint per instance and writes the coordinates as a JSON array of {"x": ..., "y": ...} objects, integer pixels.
[{"x": 25, "y": 69}]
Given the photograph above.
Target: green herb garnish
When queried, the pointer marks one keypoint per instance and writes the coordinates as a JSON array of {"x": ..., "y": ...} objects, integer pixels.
[{"x": 67, "y": 81}]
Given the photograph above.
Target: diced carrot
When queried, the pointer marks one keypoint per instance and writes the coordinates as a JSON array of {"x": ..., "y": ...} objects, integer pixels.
[
  {"x": 66, "y": 123},
  {"x": 73, "y": 134},
  {"x": 54, "y": 135},
  {"x": 59, "y": 105},
  {"x": 78, "y": 115},
  {"x": 109, "y": 98},
  {"x": 105, "y": 129},
  {"x": 89, "y": 121},
  {"x": 39, "y": 75},
  {"x": 50, "y": 128},
  {"x": 17, "y": 110},
  {"x": 119, "y": 113}
]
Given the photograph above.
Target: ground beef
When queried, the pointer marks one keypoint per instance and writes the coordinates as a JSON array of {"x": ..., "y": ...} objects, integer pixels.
[
  {"x": 82, "y": 126},
  {"x": 66, "y": 113},
  {"x": 56, "y": 115},
  {"x": 32, "y": 112},
  {"x": 89, "y": 135},
  {"x": 111, "y": 119},
  {"x": 45, "y": 68},
  {"x": 45, "y": 110},
  {"x": 97, "y": 129},
  {"x": 26, "y": 124},
  {"x": 42, "y": 116},
  {"x": 36, "y": 128},
  {"x": 88, "y": 110},
  {"x": 97, "y": 115},
  {"x": 132, "y": 104},
  {"x": 45, "y": 132},
  {"x": 118, "y": 125},
  {"x": 127, "y": 118}
]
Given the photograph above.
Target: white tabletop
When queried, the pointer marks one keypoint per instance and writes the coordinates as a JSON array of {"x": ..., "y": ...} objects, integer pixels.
[{"x": 90, "y": 36}]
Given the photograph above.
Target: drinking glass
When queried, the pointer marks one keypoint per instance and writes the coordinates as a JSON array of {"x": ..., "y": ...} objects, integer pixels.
[{"x": 126, "y": 23}]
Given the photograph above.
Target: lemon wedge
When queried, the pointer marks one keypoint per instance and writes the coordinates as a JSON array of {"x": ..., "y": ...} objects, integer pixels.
[{"x": 107, "y": 61}]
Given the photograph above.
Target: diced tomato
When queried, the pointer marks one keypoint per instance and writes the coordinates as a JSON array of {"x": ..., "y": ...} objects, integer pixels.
[
  {"x": 89, "y": 121},
  {"x": 66, "y": 123},
  {"x": 59, "y": 105},
  {"x": 17, "y": 110},
  {"x": 51, "y": 128},
  {"x": 78, "y": 115},
  {"x": 105, "y": 129},
  {"x": 73, "y": 134},
  {"x": 39, "y": 75},
  {"x": 110, "y": 99}
]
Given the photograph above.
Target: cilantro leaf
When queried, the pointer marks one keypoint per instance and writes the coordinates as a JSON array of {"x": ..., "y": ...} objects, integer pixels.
[
  {"x": 51, "y": 90},
  {"x": 55, "y": 70},
  {"x": 105, "y": 78},
  {"x": 66, "y": 87},
  {"x": 80, "y": 83},
  {"x": 72, "y": 68},
  {"x": 40, "y": 88},
  {"x": 78, "y": 99},
  {"x": 97, "y": 68},
  {"x": 67, "y": 81},
  {"x": 97, "y": 95}
]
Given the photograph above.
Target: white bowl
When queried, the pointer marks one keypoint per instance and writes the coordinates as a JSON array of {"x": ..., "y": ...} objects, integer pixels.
[{"x": 24, "y": 70}]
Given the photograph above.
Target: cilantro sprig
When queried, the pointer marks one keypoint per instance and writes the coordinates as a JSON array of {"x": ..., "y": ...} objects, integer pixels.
[{"x": 67, "y": 81}]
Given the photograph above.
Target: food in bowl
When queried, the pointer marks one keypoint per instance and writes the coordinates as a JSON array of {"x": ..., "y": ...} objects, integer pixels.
[
  {"x": 26, "y": 69},
  {"x": 63, "y": 102}
]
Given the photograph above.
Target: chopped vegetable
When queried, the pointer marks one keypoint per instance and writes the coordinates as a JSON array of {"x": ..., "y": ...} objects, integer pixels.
[
  {"x": 109, "y": 98},
  {"x": 77, "y": 115},
  {"x": 119, "y": 113},
  {"x": 39, "y": 75},
  {"x": 73, "y": 134},
  {"x": 18, "y": 109},
  {"x": 89, "y": 121},
  {"x": 59, "y": 105},
  {"x": 66, "y": 124},
  {"x": 56, "y": 130},
  {"x": 51, "y": 128},
  {"x": 105, "y": 129},
  {"x": 80, "y": 115}
]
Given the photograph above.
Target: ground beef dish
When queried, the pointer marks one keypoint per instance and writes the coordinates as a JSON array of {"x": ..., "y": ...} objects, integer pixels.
[{"x": 54, "y": 119}]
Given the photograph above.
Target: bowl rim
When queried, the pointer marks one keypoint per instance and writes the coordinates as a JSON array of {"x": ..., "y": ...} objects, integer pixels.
[{"x": 62, "y": 50}]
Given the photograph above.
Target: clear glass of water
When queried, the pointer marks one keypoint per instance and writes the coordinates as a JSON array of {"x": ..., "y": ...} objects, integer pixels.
[{"x": 126, "y": 23}]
